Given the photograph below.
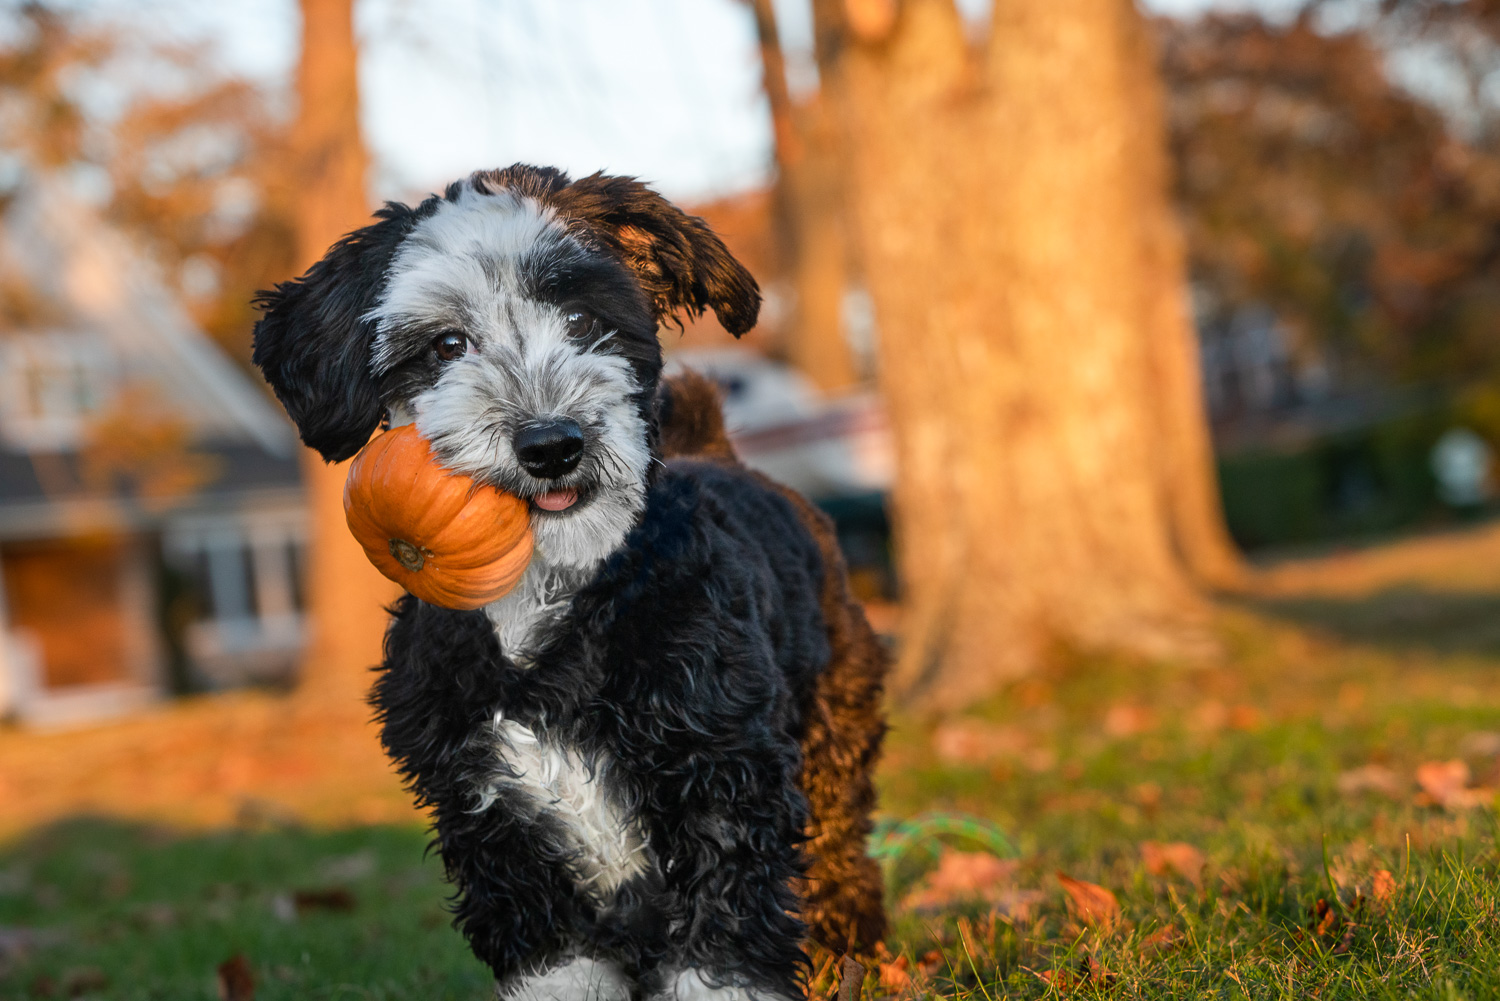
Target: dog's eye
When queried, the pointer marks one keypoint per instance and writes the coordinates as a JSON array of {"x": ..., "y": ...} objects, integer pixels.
[
  {"x": 450, "y": 345},
  {"x": 581, "y": 323}
]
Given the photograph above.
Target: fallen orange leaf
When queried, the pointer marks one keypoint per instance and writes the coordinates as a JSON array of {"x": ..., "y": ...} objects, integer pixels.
[
  {"x": 236, "y": 981},
  {"x": 1446, "y": 784},
  {"x": 962, "y": 876},
  {"x": 1177, "y": 857},
  {"x": 1090, "y": 903},
  {"x": 1372, "y": 778},
  {"x": 1384, "y": 889},
  {"x": 895, "y": 976},
  {"x": 1127, "y": 720},
  {"x": 975, "y": 742},
  {"x": 1441, "y": 779},
  {"x": 1161, "y": 940}
]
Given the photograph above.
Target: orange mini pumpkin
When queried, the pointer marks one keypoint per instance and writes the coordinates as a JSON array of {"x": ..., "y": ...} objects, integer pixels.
[{"x": 445, "y": 538}]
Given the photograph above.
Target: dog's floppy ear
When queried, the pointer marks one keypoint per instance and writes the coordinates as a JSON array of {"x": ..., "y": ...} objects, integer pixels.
[
  {"x": 678, "y": 260},
  {"x": 313, "y": 343}
]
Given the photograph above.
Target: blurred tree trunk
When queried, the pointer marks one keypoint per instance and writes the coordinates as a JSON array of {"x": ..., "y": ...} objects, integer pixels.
[
  {"x": 1022, "y": 280},
  {"x": 345, "y": 594},
  {"x": 1189, "y": 477},
  {"x": 810, "y": 218}
]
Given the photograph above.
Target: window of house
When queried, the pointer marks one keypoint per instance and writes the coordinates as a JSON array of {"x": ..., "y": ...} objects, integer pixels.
[
  {"x": 246, "y": 574},
  {"x": 51, "y": 384}
]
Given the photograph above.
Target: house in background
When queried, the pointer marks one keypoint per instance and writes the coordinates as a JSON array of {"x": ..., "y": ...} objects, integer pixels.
[{"x": 151, "y": 512}]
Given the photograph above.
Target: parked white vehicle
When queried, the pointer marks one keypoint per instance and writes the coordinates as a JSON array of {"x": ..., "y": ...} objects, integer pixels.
[{"x": 823, "y": 447}]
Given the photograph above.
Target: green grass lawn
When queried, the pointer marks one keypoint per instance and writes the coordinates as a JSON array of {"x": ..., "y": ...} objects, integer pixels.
[
  {"x": 1290, "y": 770},
  {"x": 135, "y": 913}
]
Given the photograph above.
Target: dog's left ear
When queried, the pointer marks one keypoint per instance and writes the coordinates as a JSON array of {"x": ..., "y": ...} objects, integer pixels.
[
  {"x": 678, "y": 260},
  {"x": 313, "y": 343}
]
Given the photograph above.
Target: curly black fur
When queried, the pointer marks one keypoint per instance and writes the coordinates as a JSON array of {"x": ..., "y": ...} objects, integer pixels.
[{"x": 690, "y": 660}]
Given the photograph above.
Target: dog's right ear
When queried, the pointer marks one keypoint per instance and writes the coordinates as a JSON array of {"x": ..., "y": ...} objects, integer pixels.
[{"x": 313, "y": 341}]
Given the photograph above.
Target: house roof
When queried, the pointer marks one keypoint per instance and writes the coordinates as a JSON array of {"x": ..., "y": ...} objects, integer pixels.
[
  {"x": 62, "y": 249},
  {"x": 104, "y": 296}
]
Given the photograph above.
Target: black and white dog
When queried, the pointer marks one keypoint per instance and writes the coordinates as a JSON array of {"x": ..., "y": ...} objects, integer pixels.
[{"x": 648, "y": 765}]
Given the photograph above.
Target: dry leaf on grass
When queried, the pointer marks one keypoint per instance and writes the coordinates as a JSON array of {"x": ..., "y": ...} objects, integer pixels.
[
  {"x": 1208, "y": 717},
  {"x": 1179, "y": 857},
  {"x": 328, "y": 898},
  {"x": 1127, "y": 721},
  {"x": 1089, "y": 903},
  {"x": 1372, "y": 778},
  {"x": 1327, "y": 920},
  {"x": 973, "y": 742},
  {"x": 1480, "y": 744},
  {"x": 1383, "y": 890},
  {"x": 1446, "y": 784},
  {"x": 236, "y": 982},
  {"x": 1089, "y": 971},
  {"x": 851, "y": 980},
  {"x": 1243, "y": 717},
  {"x": 1160, "y": 941},
  {"x": 82, "y": 980},
  {"x": 963, "y": 876},
  {"x": 290, "y": 906},
  {"x": 895, "y": 976}
]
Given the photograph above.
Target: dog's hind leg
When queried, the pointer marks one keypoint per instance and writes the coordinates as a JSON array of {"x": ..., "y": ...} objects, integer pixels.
[{"x": 843, "y": 898}]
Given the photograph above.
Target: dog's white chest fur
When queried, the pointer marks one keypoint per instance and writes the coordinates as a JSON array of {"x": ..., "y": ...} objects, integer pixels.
[
  {"x": 573, "y": 793},
  {"x": 522, "y": 618}
]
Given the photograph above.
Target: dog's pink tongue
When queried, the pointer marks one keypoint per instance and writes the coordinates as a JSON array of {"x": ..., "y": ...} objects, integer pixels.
[{"x": 556, "y": 500}]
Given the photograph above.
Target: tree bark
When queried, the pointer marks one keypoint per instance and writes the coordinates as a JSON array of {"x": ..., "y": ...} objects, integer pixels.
[
  {"x": 1190, "y": 486},
  {"x": 346, "y": 596},
  {"x": 996, "y": 197},
  {"x": 810, "y": 219}
]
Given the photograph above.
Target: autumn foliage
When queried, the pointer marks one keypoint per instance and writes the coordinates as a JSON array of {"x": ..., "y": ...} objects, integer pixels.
[{"x": 1312, "y": 182}]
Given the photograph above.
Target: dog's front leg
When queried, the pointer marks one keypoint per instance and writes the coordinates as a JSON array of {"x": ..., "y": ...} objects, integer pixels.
[
  {"x": 522, "y": 915},
  {"x": 574, "y": 977},
  {"x": 733, "y": 857}
]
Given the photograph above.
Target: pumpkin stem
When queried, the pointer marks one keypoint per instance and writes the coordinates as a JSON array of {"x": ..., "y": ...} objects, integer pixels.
[{"x": 407, "y": 554}]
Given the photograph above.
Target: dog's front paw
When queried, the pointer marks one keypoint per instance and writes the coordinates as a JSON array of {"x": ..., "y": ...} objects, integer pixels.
[
  {"x": 577, "y": 978},
  {"x": 704, "y": 985}
]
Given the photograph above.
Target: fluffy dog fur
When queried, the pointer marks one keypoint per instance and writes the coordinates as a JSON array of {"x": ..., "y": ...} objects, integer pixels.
[{"x": 648, "y": 766}]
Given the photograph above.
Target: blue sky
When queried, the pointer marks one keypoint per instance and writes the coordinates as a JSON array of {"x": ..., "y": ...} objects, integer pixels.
[{"x": 664, "y": 89}]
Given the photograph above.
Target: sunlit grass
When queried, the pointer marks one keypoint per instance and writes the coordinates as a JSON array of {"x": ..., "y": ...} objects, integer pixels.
[
  {"x": 1243, "y": 763},
  {"x": 1078, "y": 768}
]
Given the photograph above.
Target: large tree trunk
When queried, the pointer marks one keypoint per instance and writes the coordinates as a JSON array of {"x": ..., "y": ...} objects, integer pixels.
[
  {"x": 1190, "y": 485},
  {"x": 345, "y": 594},
  {"x": 997, "y": 196},
  {"x": 810, "y": 219}
]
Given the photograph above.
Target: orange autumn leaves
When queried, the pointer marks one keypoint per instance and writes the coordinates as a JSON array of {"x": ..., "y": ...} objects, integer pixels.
[
  {"x": 1103, "y": 944},
  {"x": 1090, "y": 904},
  {"x": 1446, "y": 785},
  {"x": 979, "y": 877},
  {"x": 964, "y": 878}
]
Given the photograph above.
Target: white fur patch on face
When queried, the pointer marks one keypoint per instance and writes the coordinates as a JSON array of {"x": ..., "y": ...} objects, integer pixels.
[
  {"x": 691, "y": 985},
  {"x": 533, "y": 372},
  {"x": 576, "y": 979},
  {"x": 572, "y": 792},
  {"x": 454, "y": 259},
  {"x": 463, "y": 269}
]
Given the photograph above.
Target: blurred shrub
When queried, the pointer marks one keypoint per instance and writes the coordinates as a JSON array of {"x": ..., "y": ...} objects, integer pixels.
[{"x": 1343, "y": 486}]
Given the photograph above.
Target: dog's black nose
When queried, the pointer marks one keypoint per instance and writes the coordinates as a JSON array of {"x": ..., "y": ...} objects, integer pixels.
[{"x": 550, "y": 450}]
